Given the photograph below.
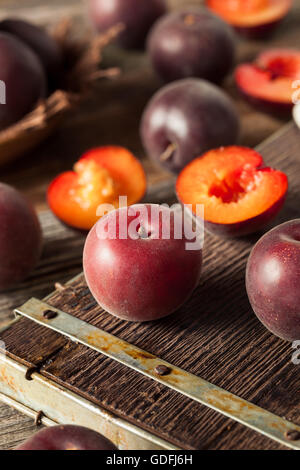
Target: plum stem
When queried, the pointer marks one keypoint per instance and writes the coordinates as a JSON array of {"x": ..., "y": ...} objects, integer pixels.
[
  {"x": 106, "y": 73},
  {"x": 167, "y": 154},
  {"x": 143, "y": 233}
]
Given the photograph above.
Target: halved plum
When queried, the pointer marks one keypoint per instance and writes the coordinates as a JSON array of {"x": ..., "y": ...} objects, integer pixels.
[
  {"x": 99, "y": 177},
  {"x": 238, "y": 193},
  {"x": 251, "y": 18},
  {"x": 268, "y": 83}
]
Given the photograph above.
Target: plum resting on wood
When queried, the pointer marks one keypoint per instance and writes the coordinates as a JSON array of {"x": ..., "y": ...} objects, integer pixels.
[
  {"x": 20, "y": 237},
  {"x": 67, "y": 437},
  {"x": 23, "y": 76},
  {"x": 273, "y": 280},
  {"x": 191, "y": 43},
  {"x": 39, "y": 41},
  {"x": 144, "y": 276},
  {"x": 184, "y": 120},
  {"x": 137, "y": 16}
]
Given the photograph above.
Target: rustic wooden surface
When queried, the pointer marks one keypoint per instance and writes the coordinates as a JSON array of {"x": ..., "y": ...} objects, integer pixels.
[
  {"x": 106, "y": 119},
  {"x": 215, "y": 335}
]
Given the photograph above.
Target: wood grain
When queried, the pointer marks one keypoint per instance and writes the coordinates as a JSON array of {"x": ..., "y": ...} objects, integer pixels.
[{"x": 105, "y": 119}]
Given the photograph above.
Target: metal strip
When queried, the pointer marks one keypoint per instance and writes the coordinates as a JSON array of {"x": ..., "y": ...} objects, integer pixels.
[
  {"x": 61, "y": 406},
  {"x": 187, "y": 384}
]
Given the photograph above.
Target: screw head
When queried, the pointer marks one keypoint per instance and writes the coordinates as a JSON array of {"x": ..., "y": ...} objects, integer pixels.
[
  {"x": 292, "y": 435},
  {"x": 162, "y": 370},
  {"x": 49, "y": 314}
]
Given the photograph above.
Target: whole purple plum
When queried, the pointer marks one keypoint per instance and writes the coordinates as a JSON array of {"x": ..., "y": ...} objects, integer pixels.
[
  {"x": 186, "y": 119},
  {"x": 67, "y": 437},
  {"x": 23, "y": 76},
  {"x": 137, "y": 16},
  {"x": 273, "y": 280},
  {"x": 191, "y": 43},
  {"x": 45, "y": 47},
  {"x": 20, "y": 237},
  {"x": 143, "y": 272}
]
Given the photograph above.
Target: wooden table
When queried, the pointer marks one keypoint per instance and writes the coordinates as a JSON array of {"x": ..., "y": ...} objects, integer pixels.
[{"x": 110, "y": 117}]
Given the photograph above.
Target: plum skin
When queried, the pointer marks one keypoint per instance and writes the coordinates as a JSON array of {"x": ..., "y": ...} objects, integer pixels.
[
  {"x": 274, "y": 108},
  {"x": 24, "y": 78},
  {"x": 245, "y": 227},
  {"x": 20, "y": 237},
  {"x": 44, "y": 46},
  {"x": 273, "y": 280},
  {"x": 140, "y": 280},
  {"x": 136, "y": 15},
  {"x": 194, "y": 115},
  {"x": 67, "y": 437},
  {"x": 180, "y": 49}
]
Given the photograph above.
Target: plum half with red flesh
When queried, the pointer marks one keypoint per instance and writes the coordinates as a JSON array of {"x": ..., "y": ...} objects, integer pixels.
[
  {"x": 252, "y": 18},
  {"x": 269, "y": 82},
  {"x": 239, "y": 194}
]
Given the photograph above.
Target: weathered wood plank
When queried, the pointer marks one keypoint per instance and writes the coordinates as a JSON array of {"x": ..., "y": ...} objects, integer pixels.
[{"x": 14, "y": 427}]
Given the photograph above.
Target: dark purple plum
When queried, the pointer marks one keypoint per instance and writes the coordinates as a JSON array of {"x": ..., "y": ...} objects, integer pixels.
[
  {"x": 191, "y": 43},
  {"x": 45, "y": 47},
  {"x": 273, "y": 280},
  {"x": 67, "y": 437},
  {"x": 137, "y": 16},
  {"x": 186, "y": 119},
  {"x": 20, "y": 237},
  {"x": 23, "y": 76}
]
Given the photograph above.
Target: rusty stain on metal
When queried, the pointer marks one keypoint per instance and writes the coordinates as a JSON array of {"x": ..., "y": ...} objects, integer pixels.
[{"x": 183, "y": 382}]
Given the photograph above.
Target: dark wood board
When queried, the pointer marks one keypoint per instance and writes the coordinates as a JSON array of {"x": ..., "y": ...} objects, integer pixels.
[{"x": 215, "y": 335}]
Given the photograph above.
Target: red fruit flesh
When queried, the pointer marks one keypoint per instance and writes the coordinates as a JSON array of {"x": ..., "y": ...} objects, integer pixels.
[
  {"x": 273, "y": 280},
  {"x": 99, "y": 177},
  {"x": 67, "y": 437},
  {"x": 268, "y": 82},
  {"x": 238, "y": 194},
  {"x": 145, "y": 277},
  {"x": 253, "y": 18}
]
